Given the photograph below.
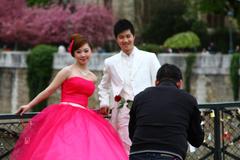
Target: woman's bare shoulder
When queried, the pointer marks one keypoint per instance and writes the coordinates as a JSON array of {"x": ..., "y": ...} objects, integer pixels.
[
  {"x": 93, "y": 76},
  {"x": 66, "y": 71}
]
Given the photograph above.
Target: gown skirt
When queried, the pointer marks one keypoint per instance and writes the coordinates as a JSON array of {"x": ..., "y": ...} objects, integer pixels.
[{"x": 66, "y": 132}]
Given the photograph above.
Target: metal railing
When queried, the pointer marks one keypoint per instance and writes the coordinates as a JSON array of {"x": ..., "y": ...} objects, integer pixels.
[
  {"x": 221, "y": 122},
  {"x": 10, "y": 127}
]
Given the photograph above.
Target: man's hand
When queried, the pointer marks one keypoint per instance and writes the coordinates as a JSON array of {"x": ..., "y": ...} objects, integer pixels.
[{"x": 104, "y": 110}]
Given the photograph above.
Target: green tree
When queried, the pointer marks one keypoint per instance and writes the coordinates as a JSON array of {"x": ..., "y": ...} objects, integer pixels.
[
  {"x": 200, "y": 28},
  {"x": 166, "y": 20},
  {"x": 217, "y": 12},
  {"x": 220, "y": 7}
]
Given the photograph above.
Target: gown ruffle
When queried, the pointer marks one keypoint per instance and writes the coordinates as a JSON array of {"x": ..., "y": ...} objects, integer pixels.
[{"x": 68, "y": 132}]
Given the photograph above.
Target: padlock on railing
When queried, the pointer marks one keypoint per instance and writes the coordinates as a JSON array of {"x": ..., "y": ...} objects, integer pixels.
[{"x": 212, "y": 114}]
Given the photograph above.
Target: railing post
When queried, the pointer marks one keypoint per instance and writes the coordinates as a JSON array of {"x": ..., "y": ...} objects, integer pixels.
[{"x": 217, "y": 135}]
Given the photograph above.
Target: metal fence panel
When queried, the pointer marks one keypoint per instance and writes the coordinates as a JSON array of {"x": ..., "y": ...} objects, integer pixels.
[{"x": 221, "y": 123}]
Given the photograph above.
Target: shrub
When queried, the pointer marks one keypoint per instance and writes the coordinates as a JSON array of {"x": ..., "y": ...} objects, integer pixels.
[
  {"x": 39, "y": 71},
  {"x": 183, "y": 40},
  {"x": 151, "y": 47},
  {"x": 190, "y": 60},
  {"x": 234, "y": 75}
]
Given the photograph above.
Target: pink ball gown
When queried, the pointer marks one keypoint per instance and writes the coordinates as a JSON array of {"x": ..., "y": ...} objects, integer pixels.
[{"x": 69, "y": 130}]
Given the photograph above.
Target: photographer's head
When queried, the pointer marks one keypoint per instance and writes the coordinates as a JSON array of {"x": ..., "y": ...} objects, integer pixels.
[{"x": 170, "y": 73}]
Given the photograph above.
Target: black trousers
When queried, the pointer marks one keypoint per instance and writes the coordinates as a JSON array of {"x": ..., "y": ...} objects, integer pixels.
[{"x": 152, "y": 156}]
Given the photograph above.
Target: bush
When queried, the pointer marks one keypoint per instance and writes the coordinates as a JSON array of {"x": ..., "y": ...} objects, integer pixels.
[
  {"x": 151, "y": 47},
  {"x": 234, "y": 76},
  {"x": 182, "y": 40},
  {"x": 190, "y": 61},
  {"x": 39, "y": 71}
]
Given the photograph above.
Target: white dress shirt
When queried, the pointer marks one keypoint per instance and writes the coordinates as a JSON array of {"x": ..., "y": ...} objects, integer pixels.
[{"x": 127, "y": 66}]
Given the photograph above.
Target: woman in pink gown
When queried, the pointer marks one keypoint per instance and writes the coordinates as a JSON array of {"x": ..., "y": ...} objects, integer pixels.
[{"x": 69, "y": 130}]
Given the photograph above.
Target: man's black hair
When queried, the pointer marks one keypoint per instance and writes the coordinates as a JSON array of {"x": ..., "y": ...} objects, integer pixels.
[
  {"x": 169, "y": 72},
  {"x": 123, "y": 25}
]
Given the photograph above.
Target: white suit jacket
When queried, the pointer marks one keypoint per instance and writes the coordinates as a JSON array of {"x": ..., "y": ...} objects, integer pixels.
[{"x": 144, "y": 71}]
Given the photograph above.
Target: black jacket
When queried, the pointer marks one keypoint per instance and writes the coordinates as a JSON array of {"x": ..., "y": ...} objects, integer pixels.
[{"x": 164, "y": 118}]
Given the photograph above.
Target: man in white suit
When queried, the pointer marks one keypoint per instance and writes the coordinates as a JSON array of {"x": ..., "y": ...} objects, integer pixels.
[{"x": 125, "y": 74}]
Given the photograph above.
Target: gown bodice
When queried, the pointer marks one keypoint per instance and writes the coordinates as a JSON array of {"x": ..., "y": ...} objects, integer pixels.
[{"x": 77, "y": 90}]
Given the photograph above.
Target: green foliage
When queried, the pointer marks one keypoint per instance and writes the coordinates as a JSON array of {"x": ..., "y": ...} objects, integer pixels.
[
  {"x": 38, "y": 2},
  {"x": 221, "y": 39},
  {"x": 39, "y": 71},
  {"x": 220, "y": 7},
  {"x": 151, "y": 47},
  {"x": 200, "y": 28},
  {"x": 182, "y": 40},
  {"x": 166, "y": 19},
  {"x": 234, "y": 76},
  {"x": 190, "y": 60},
  {"x": 216, "y": 6}
]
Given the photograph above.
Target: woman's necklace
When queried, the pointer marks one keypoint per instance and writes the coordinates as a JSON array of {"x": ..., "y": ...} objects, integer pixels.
[{"x": 84, "y": 73}]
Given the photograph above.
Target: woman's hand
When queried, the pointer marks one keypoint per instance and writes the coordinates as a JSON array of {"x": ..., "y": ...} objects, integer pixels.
[
  {"x": 104, "y": 110},
  {"x": 23, "y": 109}
]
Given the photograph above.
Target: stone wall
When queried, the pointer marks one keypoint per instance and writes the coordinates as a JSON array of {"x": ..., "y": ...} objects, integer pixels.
[{"x": 210, "y": 79}]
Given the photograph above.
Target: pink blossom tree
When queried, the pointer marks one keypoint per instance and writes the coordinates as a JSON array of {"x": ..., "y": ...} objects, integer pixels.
[
  {"x": 94, "y": 22},
  {"x": 39, "y": 26},
  {"x": 54, "y": 24},
  {"x": 11, "y": 9},
  {"x": 10, "y": 12}
]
